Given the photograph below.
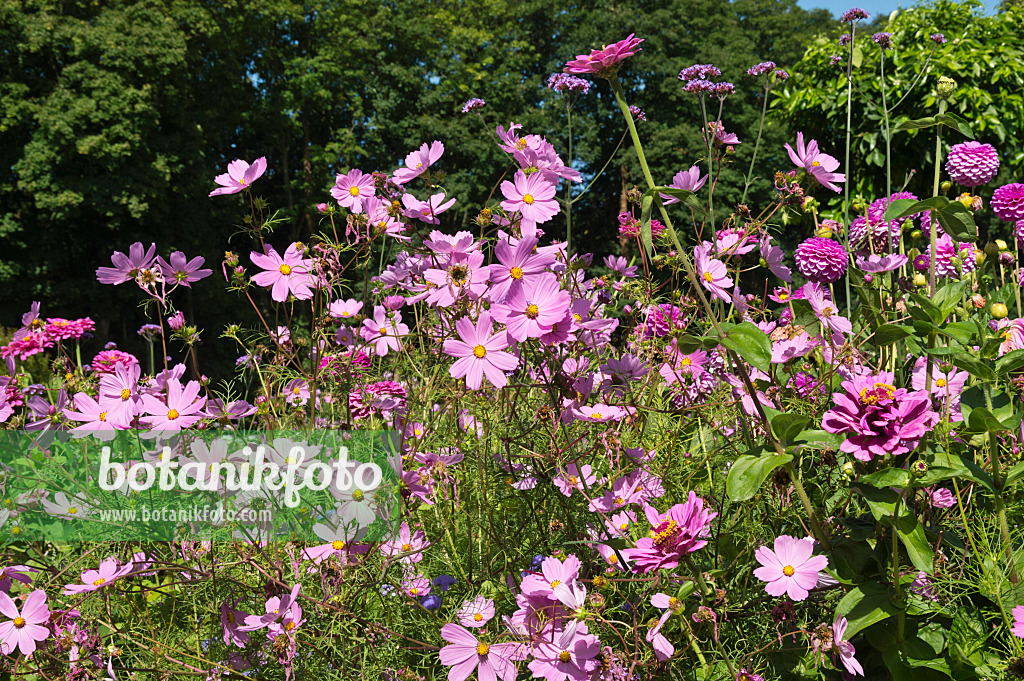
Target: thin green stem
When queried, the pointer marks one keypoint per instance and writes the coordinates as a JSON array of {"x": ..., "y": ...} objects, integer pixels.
[
  {"x": 757, "y": 145},
  {"x": 888, "y": 133},
  {"x": 846, "y": 164},
  {"x": 568, "y": 190}
]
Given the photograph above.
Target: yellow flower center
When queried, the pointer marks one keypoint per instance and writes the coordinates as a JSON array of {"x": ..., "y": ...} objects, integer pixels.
[
  {"x": 624, "y": 526},
  {"x": 479, "y": 351},
  {"x": 73, "y": 510},
  {"x": 125, "y": 393},
  {"x": 673, "y": 603},
  {"x": 941, "y": 383},
  {"x": 103, "y": 416},
  {"x": 619, "y": 501},
  {"x": 296, "y": 390},
  {"x": 528, "y": 199},
  {"x": 98, "y": 582},
  {"x": 564, "y": 656},
  {"x": 686, "y": 362},
  {"x": 555, "y": 583},
  {"x": 358, "y": 495},
  {"x": 231, "y": 617},
  {"x": 172, "y": 414},
  {"x": 337, "y": 545},
  {"x": 613, "y": 559},
  {"x": 708, "y": 277},
  {"x": 414, "y": 591},
  {"x": 573, "y": 481},
  {"x": 19, "y": 622},
  {"x": 478, "y": 617},
  {"x": 516, "y": 272},
  {"x": 815, "y": 164},
  {"x": 596, "y": 415},
  {"x": 876, "y": 393},
  {"x": 406, "y": 547},
  {"x": 289, "y": 626},
  {"x": 383, "y": 331},
  {"x": 788, "y": 571},
  {"x": 482, "y": 649},
  {"x": 532, "y": 311},
  {"x": 354, "y": 191}
]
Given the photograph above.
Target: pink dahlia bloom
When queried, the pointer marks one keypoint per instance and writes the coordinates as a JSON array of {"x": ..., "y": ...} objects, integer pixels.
[
  {"x": 877, "y": 418},
  {"x": 821, "y": 260},
  {"x": 820, "y": 166},
  {"x": 884, "y": 235},
  {"x": 1008, "y": 202},
  {"x": 674, "y": 534},
  {"x": 945, "y": 250},
  {"x": 606, "y": 60},
  {"x": 790, "y": 569},
  {"x": 972, "y": 164}
]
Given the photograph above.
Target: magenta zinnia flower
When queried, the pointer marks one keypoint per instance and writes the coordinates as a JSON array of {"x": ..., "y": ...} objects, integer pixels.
[
  {"x": 1008, "y": 202},
  {"x": 26, "y": 627},
  {"x": 605, "y": 62},
  {"x": 532, "y": 196},
  {"x": 789, "y": 569},
  {"x": 467, "y": 654},
  {"x": 972, "y": 164},
  {"x": 877, "y": 418},
  {"x": 673, "y": 534},
  {"x": 284, "y": 275},
  {"x": 712, "y": 274},
  {"x": 820, "y": 166},
  {"x": 352, "y": 189},
  {"x": 821, "y": 260},
  {"x": 240, "y": 176},
  {"x": 480, "y": 353}
]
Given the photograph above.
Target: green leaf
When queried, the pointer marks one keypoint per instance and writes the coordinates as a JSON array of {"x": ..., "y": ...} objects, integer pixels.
[
  {"x": 865, "y": 605},
  {"x": 958, "y": 221},
  {"x": 646, "y": 203},
  {"x": 953, "y": 121},
  {"x": 750, "y": 343},
  {"x": 911, "y": 533},
  {"x": 887, "y": 334},
  {"x": 858, "y": 57},
  {"x": 882, "y": 502},
  {"x": 904, "y": 207},
  {"x": 788, "y": 426},
  {"x": 950, "y": 295},
  {"x": 917, "y": 124},
  {"x": 1010, "y": 362},
  {"x": 748, "y": 473},
  {"x": 982, "y": 420},
  {"x": 890, "y": 477},
  {"x": 961, "y": 359}
]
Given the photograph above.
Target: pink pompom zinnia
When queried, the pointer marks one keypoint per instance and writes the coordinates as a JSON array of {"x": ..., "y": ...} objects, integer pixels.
[
  {"x": 821, "y": 260},
  {"x": 1008, "y": 202},
  {"x": 972, "y": 164},
  {"x": 789, "y": 569}
]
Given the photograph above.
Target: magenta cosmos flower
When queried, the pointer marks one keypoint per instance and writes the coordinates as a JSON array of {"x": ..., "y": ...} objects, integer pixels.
[
  {"x": 384, "y": 331},
  {"x": 972, "y": 164},
  {"x": 467, "y": 654},
  {"x": 182, "y": 408},
  {"x": 674, "y": 534},
  {"x": 689, "y": 180},
  {"x": 517, "y": 265},
  {"x": 1008, "y": 202},
  {"x": 284, "y": 275},
  {"x": 181, "y": 270},
  {"x": 532, "y": 196},
  {"x": 480, "y": 353},
  {"x": 789, "y": 569},
  {"x": 712, "y": 274},
  {"x": 240, "y": 176},
  {"x": 877, "y": 418},
  {"x": 409, "y": 545},
  {"x": 821, "y": 260},
  {"x": 417, "y": 162},
  {"x": 845, "y": 649},
  {"x": 126, "y": 267},
  {"x": 820, "y": 166},
  {"x": 26, "y": 627},
  {"x": 605, "y": 62},
  {"x": 352, "y": 189}
]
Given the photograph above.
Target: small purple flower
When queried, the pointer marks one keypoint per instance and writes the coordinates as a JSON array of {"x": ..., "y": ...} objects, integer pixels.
[
  {"x": 938, "y": 38},
  {"x": 182, "y": 270},
  {"x": 854, "y": 14},
  {"x": 723, "y": 90},
  {"x": 699, "y": 86},
  {"x": 472, "y": 105},
  {"x": 637, "y": 113},
  {"x": 883, "y": 40},
  {"x": 700, "y": 72},
  {"x": 835, "y": 60},
  {"x": 845, "y": 39},
  {"x": 781, "y": 75},
  {"x": 563, "y": 82},
  {"x": 761, "y": 69}
]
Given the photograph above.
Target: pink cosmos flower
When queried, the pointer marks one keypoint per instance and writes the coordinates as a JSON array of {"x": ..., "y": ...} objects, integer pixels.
[
  {"x": 820, "y": 166},
  {"x": 845, "y": 648},
  {"x": 351, "y": 190},
  {"x": 606, "y": 60},
  {"x": 240, "y": 176},
  {"x": 712, "y": 274},
  {"x": 476, "y": 613},
  {"x": 343, "y": 309},
  {"x": 569, "y": 653},
  {"x": 384, "y": 331},
  {"x": 1012, "y": 333},
  {"x": 417, "y": 162},
  {"x": 127, "y": 267},
  {"x": 26, "y": 627},
  {"x": 663, "y": 649},
  {"x": 1018, "y": 622},
  {"x": 229, "y": 622},
  {"x": 789, "y": 569},
  {"x": 570, "y": 479},
  {"x": 532, "y": 196},
  {"x": 531, "y": 311},
  {"x": 407, "y": 542},
  {"x": 108, "y": 573},
  {"x": 599, "y": 413},
  {"x": 467, "y": 654},
  {"x": 119, "y": 393},
  {"x": 464, "y": 276},
  {"x": 182, "y": 408},
  {"x": 426, "y": 211},
  {"x": 181, "y": 270},
  {"x": 825, "y": 311},
  {"x": 282, "y": 614},
  {"x": 94, "y": 417},
  {"x": 480, "y": 353},
  {"x": 773, "y": 257},
  {"x": 516, "y": 266},
  {"x": 552, "y": 573},
  {"x": 689, "y": 180},
  {"x": 284, "y": 275},
  {"x": 673, "y": 534}
]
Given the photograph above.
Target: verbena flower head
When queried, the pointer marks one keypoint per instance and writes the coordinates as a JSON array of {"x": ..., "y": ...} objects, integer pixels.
[
  {"x": 1008, "y": 202},
  {"x": 883, "y": 40},
  {"x": 854, "y": 14},
  {"x": 240, "y": 176},
  {"x": 972, "y": 164},
  {"x": 790, "y": 568},
  {"x": 563, "y": 82},
  {"x": 472, "y": 105},
  {"x": 699, "y": 87},
  {"x": 636, "y": 112},
  {"x": 26, "y": 627},
  {"x": 821, "y": 260},
  {"x": 605, "y": 62},
  {"x": 845, "y": 39},
  {"x": 877, "y": 418},
  {"x": 761, "y": 69},
  {"x": 938, "y": 38},
  {"x": 820, "y": 166},
  {"x": 699, "y": 72},
  {"x": 673, "y": 534}
]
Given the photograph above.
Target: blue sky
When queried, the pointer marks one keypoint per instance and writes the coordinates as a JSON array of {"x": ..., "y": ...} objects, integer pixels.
[{"x": 837, "y": 7}]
